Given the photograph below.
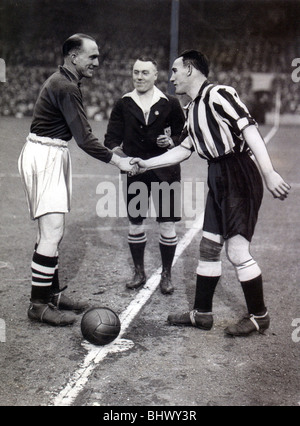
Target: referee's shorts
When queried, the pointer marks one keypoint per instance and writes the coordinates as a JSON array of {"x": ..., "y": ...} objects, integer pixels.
[
  {"x": 166, "y": 198},
  {"x": 234, "y": 196},
  {"x": 45, "y": 168}
]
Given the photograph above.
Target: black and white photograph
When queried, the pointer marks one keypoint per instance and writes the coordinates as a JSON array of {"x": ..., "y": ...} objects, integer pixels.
[{"x": 150, "y": 195}]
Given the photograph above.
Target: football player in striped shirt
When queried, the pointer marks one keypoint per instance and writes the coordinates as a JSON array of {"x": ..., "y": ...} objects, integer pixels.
[{"x": 221, "y": 130}]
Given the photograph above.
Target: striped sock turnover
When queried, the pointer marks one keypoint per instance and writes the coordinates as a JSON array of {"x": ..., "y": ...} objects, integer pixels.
[{"x": 43, "y": 269}]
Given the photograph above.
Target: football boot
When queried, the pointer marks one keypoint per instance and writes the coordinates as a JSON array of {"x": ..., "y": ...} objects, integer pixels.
[
  {"x": 138, "y": 280},
  {"x": 65, "y": 303},
  {"x": 165, "y": 283},
  {"x": 249, "y": 324},
  {"x": 203, "y": 320},
  {"x": 48, "y": 313}
]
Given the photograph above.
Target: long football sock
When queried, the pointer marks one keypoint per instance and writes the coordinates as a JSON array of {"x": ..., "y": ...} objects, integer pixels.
[
  {"x": 249, "y": 275},
  {"x": 205, "y": 290},
  {"x": 55, "y": 282},
  {"x": 208, "y": 275},
  {"x": 43, "y": 268},
  {"x": 253, "y": 291},
  {"x": 137, "y": 244},
  {"x": 167, "y": 250}
]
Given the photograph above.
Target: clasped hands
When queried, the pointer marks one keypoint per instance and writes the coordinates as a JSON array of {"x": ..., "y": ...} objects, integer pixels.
[{"x": 133, "y": 166}]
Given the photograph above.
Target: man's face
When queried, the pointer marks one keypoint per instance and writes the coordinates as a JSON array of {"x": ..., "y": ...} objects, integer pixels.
[
  {"x": 87, "y": 59},
  {"x": 179, "y": 76},
  {"x": 144, "y": 75}
]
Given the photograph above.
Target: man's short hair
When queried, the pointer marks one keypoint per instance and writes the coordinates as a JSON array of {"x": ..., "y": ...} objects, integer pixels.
[
  {"x": 147, "y": 59},
  {"x": 74, "y": 43},
  {"x": 197, "y": 59}
]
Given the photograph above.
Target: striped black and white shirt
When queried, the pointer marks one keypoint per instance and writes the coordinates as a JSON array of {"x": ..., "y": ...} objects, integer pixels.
[{"x": 215, "y": 121}]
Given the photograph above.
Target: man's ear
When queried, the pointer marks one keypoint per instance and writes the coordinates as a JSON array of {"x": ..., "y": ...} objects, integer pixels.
[
  {"x": 189, "y": 69},
  {"x": 73, "y": 58}
]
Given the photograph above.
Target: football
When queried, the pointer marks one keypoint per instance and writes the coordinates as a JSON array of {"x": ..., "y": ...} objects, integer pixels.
[{"x": 100, "y": 326}]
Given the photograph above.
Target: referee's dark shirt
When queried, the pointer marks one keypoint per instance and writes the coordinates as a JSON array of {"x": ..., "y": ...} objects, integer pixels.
[
  {"x": 59, "y": 114},
  {"x": 215, "y": 121}
]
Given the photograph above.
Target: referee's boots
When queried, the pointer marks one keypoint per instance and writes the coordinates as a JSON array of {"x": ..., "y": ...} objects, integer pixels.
[
  {"x": 137, "y": 250},
  {"x": 165, "y": 284},
  {"x": 139, "y": 278},
  {"x": 49, "y": 314},
  {"x": 167, "y": 246}
]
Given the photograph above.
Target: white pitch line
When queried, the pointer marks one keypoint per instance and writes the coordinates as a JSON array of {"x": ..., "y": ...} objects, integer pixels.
[
  {"x": 295, "y": 185},
  {"x": 275, "y": 127},
  {"x": 95, "y": 354}
]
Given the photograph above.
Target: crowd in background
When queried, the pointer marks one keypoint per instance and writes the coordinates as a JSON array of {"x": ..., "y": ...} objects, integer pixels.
[{"x": 231, "y": 63}]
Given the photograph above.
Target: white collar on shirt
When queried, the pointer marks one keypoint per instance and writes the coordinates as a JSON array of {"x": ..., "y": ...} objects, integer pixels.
[{"x": 157, "y": 95}]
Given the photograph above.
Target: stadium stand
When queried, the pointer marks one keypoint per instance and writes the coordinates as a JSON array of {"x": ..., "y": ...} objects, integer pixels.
[{"x": 235, "y": 60}]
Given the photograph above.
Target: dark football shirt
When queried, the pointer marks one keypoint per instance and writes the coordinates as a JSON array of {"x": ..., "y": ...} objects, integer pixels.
[{"x": 59, "y": 114}]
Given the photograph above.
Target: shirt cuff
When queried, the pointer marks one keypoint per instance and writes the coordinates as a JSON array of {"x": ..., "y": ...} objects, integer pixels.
[
  {"x": 187, "y": 143},
  {"x": 244, "y": 122}
]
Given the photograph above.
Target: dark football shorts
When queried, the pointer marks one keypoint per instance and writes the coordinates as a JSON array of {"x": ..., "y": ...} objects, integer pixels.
[
  {"x": 165, "y": 203},
  {"x": 234, "y": 196}
]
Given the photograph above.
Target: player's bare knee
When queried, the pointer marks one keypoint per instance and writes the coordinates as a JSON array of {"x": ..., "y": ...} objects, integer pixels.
[
  {"x": 136, "y": 228},
  {"x": 236, "y": 257},
  {"x": 53, "y": 236},
  {"x": 51, "y": 228},
  {"x": 167, "y": 229},
  {"x": 233, "y": 256},
  {"x": 237, "y": 250}
]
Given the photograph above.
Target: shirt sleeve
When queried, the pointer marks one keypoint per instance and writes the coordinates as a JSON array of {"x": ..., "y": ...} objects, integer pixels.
[
  {"x": 177, "y": 121},
  {"x": 228, "y": 105},
  {"x": 70, "y": 103},
  {"x": 186, "y": 140}
]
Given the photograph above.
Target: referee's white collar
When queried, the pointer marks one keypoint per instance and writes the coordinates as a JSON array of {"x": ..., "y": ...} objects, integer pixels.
[{"x": 157, "y": 95}]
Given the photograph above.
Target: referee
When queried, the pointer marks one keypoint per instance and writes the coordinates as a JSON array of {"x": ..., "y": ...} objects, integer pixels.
[{"x": 220, "y": 129}]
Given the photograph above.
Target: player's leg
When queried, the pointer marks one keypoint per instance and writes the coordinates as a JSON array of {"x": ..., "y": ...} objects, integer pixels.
[
  {"x": 44, "y": 261},
  {"x": 208, "y": 274},
  {"x": 250, "y": 277},
  {"x": 50, "y": 244},
  {"x": 51, "y": 231},
  {"x": 137, "y": 190},
  {"x": 137, "y": 240},
  {"x": 55, "y": 282},
  {"x": 166, "y": 198},
  {"x": 167, "y": 245},
  {"x": 209, "y": 271}
]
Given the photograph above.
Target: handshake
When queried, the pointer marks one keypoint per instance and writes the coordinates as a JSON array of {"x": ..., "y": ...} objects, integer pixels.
[{"x": 133, "y": 166}]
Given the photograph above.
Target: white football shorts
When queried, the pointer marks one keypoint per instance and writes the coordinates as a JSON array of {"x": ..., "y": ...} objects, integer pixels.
[{"x": 45, "y": 168}]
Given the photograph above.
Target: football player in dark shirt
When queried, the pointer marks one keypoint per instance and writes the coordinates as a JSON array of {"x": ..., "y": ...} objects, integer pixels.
[{"x": 45, "y": 168}]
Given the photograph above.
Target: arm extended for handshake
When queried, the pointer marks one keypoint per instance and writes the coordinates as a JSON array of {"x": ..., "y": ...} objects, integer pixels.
[{"x": 274, "y": 182}]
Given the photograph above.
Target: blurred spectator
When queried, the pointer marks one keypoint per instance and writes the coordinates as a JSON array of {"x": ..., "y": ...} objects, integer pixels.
[{"x": 232, "y": 61}]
